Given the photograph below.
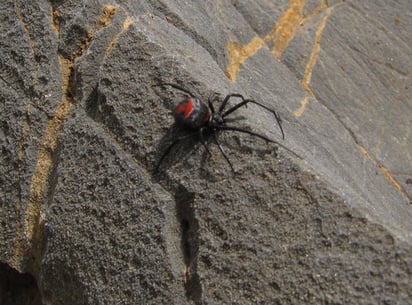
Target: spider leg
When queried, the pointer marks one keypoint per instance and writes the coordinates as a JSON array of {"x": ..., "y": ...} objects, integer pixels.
[
  {"x": 225, "y": 101},
  {"x": 213, "y": 96},
  {"x": 259, "y": 136},
  {"x": 169, "y": 148},
  {"x": 245, "y": 102},
  {"x": 202, "y": 140},
  {"x": 178, "y": 87},
  {"x": 223, "y": 152}
]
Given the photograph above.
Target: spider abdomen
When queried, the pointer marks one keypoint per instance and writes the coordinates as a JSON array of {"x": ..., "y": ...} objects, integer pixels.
[{"x": 191, "y": 113}]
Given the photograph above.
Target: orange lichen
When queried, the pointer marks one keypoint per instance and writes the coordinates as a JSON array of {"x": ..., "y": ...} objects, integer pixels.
[{"x": 238, "y": 54}]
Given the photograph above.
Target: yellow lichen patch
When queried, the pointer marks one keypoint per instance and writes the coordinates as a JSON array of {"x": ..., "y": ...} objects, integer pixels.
[
  {"x": 321, "y": 7},
  {"x": 55, "y": 18},
  {"x": 312, "y": 60},
  {"x": 281, "y": 35},
  {"x": 126, "y": 24},
  {"x": 107, "y": 16},
  {"x": 314, "y": 54},
  {"x": 19, "y": 247},
  {"x": 238, "y": 54},
  {"x": 364, "y": 151},
  {"x": 105, "y": 20},
  {"x": 385, "y": 172},
  {"x": 28, "y": 242},
  {"x": 285, "y": 29},
  {"x": 389, "y": 177},
  {"x": 298, "y": 112},
  {"x": 287, "y": 26},
  {"x": 38, "y": 186}
]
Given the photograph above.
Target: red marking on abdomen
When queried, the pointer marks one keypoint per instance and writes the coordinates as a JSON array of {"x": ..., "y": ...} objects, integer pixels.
[
  {"x": 188, "y": 108},
  {"x": 181, "y": 108}
]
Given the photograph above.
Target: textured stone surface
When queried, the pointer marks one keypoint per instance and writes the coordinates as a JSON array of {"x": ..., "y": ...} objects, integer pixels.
[{"x": 82, "y": 127}]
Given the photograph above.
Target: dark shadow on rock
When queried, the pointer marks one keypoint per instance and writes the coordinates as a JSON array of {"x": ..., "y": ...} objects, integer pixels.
[{"x": 18, "y": 288}]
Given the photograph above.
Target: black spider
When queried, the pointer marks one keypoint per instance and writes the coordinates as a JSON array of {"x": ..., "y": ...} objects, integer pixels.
[{"x": 193, "y": 114}]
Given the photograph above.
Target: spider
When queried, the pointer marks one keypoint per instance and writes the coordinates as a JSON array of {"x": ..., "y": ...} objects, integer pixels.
[{"x": 192, "y": 114}]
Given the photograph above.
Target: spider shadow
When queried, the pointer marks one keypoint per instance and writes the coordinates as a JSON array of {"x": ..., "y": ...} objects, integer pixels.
[
  {"x": 229, "y": 141},
  {"x": 181, "y": 151},
  {"x": 244, "y": 146}
]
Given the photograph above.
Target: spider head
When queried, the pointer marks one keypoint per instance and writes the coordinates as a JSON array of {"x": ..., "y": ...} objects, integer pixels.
[{"x": 215, "y": 120}]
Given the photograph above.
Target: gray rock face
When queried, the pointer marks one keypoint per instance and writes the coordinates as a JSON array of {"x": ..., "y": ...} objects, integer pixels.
[{"x": 322, "y": 218}]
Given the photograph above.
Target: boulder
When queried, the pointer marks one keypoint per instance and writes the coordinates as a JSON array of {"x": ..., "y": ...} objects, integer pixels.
[{"x": 321, "y": 217}]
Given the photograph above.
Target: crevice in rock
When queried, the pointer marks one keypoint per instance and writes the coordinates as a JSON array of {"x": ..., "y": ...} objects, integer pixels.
[
  {"x": 18, "y": 288},
  {"x": 189, "y": 228},
  {"x": 92, "y": 103},
  {"x": 31, "y": 240},
  {"x": 101, "y": 112}
]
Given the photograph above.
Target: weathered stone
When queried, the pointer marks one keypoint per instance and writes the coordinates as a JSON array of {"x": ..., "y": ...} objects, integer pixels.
[{"x": 84, "y": 123}]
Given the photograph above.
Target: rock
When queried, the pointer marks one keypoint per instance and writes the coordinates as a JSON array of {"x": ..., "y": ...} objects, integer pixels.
[{"x": 323, "y": 217}]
